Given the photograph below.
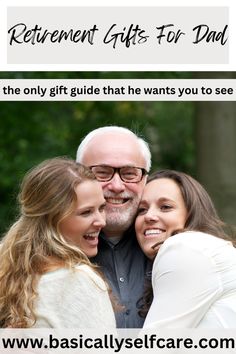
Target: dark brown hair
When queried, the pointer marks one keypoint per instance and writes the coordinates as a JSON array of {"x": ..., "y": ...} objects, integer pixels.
[{"x": 202, "y": 215}]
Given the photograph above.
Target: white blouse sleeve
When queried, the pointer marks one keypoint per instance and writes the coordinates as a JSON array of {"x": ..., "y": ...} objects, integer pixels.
[{"x": 185, "y": 284}]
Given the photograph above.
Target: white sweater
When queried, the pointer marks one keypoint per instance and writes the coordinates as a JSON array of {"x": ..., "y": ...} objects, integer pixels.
[
  {"x": 194, "y": 283},
  {"x": 73, "y": 299}
]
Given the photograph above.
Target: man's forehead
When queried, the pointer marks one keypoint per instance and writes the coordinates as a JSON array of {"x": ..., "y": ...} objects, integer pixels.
[
  {"x": 116, "y": 160},
  {"x": 113, "y": 149}
]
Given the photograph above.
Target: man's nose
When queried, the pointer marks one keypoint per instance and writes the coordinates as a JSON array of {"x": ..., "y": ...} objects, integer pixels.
[{"x": 116, "y": 184}]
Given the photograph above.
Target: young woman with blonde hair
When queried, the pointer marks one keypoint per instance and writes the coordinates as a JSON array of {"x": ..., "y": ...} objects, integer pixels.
[{"x": 46, "y": 277}]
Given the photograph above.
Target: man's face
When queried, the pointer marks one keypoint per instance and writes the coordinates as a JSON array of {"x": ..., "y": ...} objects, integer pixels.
[{"x": 122, "y": 198}]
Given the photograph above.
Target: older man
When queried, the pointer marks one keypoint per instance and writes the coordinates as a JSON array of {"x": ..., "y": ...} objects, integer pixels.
[{"x": 120, "y": 161}]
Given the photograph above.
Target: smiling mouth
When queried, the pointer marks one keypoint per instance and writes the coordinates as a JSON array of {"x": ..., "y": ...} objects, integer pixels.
[
  {"x": 93, "y": 236},
  {"x": 153, "y": 232},
  {"x": 117, "y": 201}
]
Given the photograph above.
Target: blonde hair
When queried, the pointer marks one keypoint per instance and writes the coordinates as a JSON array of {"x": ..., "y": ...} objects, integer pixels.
[{"x": 34, "y": 245}]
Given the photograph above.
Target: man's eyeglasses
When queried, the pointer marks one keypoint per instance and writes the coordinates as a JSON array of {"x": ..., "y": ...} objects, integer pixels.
[{"x": 128, "y": 174}]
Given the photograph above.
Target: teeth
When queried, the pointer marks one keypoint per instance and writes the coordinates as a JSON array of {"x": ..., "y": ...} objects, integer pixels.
[
  {"x": 91, "y": 236},
  {"x": 153, "y": 232},
  {"x": 115, "y": 201}
]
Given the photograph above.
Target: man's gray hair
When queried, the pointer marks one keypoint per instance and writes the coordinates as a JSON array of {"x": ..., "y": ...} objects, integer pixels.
[{"x": 144, "y": 148}]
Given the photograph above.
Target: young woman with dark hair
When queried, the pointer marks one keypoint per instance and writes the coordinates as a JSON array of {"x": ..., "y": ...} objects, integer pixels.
[{"x": 194, "y": 269}]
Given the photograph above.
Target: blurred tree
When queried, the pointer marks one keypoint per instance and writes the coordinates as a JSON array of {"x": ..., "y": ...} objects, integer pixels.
[
  {"x": 216, "y": 154},
  {"x": 216, "y": 150}
]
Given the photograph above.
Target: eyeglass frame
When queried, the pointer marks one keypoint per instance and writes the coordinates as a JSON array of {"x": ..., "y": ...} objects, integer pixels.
[{"x": 117, "y": 170}]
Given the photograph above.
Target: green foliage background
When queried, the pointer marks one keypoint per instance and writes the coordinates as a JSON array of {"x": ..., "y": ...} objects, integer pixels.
[{"x": 33, "y": 131}]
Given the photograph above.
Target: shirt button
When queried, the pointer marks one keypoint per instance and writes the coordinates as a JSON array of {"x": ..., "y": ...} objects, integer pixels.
[
  {"x": 127, "y": 312},
  {"x": 122, "y": 279}
]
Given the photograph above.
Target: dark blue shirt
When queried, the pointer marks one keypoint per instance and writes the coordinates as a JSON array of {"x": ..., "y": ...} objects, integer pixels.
[{"x": 126, "y": 269}]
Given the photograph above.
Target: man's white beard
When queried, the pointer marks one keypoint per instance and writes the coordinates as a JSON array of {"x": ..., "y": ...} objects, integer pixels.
[{"x": 118, "y": 221}]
